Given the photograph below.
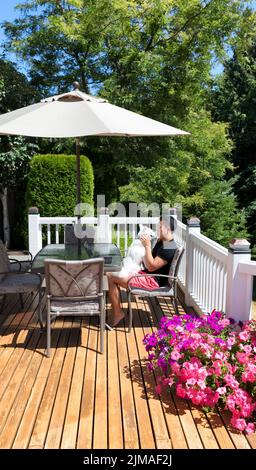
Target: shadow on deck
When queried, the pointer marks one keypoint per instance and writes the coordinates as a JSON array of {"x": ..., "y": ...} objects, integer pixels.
[{"x": 81, "y": 399}]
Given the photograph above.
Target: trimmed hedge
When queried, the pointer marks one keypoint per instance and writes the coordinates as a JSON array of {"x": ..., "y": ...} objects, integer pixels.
[{"x": 52, "y": 184}]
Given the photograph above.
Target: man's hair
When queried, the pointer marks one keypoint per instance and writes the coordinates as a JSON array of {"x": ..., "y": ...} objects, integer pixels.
[{"x": 169, "y": 221}]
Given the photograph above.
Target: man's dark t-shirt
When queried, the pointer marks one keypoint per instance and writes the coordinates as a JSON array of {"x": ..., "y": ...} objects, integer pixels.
[{"x": 166, "y": 251}]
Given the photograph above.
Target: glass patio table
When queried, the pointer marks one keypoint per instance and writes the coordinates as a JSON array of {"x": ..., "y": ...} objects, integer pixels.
[{"x": 109, "y": 251}]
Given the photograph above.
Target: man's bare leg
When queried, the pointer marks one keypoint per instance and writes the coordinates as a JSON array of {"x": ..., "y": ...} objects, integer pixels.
[{"x": 114, "y": 284}]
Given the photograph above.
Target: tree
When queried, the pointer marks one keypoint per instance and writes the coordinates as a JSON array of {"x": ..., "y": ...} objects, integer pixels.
[
  {"x": 193, "y": 175},
  {"x": 234, "y": 102},
  {"x": 152, "y": 57},
  {"x": 15, "y": 152}
]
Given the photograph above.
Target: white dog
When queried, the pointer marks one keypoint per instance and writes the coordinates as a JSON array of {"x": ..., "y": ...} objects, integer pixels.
[{"x": 132, "y": 263}]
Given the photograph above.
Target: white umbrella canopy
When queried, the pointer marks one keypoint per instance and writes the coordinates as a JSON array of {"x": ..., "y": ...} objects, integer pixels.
[{"x": 76, "y": 114}]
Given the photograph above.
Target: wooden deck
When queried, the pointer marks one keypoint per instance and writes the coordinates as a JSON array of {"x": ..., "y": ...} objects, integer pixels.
[{"x": 81, "y": 399}]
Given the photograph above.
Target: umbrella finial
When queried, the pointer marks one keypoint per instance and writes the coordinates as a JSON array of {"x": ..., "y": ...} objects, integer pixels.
[{"x": 76, "y": 85}]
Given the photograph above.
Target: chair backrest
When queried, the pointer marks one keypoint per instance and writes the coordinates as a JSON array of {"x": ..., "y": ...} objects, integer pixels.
[
  {"x": 175, "y": 264},
  {"x": 74, "y": 279},
  {"x": 5, "y": 265}
]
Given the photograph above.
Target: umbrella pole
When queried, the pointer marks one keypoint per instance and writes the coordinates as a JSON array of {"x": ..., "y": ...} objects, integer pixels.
[{"x": 78, "y": 189}]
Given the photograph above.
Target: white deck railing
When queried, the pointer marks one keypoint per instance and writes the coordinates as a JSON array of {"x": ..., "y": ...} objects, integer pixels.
[
  {"x": 211, "y": 276},
  {"x": 209, "y": 273}
]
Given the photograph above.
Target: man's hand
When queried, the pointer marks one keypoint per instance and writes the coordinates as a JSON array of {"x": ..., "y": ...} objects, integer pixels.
[{"x": 145, "y": 240}]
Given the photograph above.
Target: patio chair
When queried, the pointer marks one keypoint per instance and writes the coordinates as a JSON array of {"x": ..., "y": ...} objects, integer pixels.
[
  {"x": 75, "y": 288},
  {"x": 170, "y": 290},
  {"x": 18, "y": 282},
  {"x": 13, "y": 264}
]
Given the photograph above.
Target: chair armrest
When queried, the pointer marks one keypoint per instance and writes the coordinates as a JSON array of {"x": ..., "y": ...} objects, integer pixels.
[
  {"x": 174, "y": 278},
  {"x": 26, "y": 252},
  {"x": 14, "y": 261},
  {"x": 28, "y": 261}
]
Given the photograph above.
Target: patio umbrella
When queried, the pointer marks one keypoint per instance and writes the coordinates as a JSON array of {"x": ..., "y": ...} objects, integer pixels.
[{"x": 76, "y": 114}]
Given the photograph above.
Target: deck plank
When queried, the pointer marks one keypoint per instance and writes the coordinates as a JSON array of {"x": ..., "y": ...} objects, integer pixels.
[
  {"x": 115, "y": 424},
  {"x": 27, "y": 423},
  {"x": 178, "y": 438},
  {"x": 144, "y": 323},
  {"x": 85, "y": 429},
  {"x": 100, "y": 432},
  {"x": 70, "y": 430},
  {"x": 56, "y": 425},
  {"x": 131, "y": 439},
  {"x": 12, "y": 354},
  {"x": 220, "y": 432},
  {"x": 204, "y": 429},
  {"x": 239, "y": 439},
  {"x": 137, "y": 365},
  {"x": 10, "y": 427},
  {"x": 16, "y": 380},
  {"x": 81, "y": 399},
  {"x": 43, "y": 417}
]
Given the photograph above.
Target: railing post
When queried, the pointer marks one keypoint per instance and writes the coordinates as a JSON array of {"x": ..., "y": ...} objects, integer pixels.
[
  {"x": 103, "y": 234},
  {"x": 239, "y": 285},
  {"x": 193, "y": 226},
  {"x": 34, "y": 231}
]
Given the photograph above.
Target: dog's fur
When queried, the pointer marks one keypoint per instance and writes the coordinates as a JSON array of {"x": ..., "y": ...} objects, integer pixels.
[{"x": 132, "y": 263}]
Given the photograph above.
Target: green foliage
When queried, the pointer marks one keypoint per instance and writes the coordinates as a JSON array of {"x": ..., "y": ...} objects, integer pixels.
[
  {"x": 15, "y": 155},
  {"x": 153, "y": 57},
  {"x": 15, "y": 89},
  {"x": 15, "y": 152},
  {"x": 220, "y": 217},
  {"x": 52, "y": 184},
  {"x": 193, "y": 175},
  {"x": 234, "y": 102}
]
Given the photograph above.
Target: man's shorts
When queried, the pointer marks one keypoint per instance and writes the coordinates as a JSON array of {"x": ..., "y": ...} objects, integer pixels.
[{"x": 144, "y": 282}]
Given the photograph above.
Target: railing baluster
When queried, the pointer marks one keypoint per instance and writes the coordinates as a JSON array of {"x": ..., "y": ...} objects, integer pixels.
[
  {"x": 57, "y": 234},
  {"x": 48, "y": 234},
  {"x": 125, "y": 239},
  {"x": 224, "y": 290},
  {"x": 217, "y": 285},
  {"x": 133, "y": 232},
  {"x": 193, "y": 249},
  {"x": 195, "y": 262},
  {"x": 118, "y": 235},
  {"x": 209, "y": 282},
  {"x": 213, "y": 287},
  {"x": 203, "y": 298},
  {"x": 220, "y": 288}
]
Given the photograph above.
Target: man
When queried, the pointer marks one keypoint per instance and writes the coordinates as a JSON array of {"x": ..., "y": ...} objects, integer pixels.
[{"x": 157, "y": 261}]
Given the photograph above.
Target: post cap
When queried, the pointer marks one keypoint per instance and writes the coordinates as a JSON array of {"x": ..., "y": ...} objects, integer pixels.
[
  {"x": 239, "y": 245},
  {"x": 172, "y": 211},
  {"x": 193, "y": 222},
  {"x": 33, "y": 210}
]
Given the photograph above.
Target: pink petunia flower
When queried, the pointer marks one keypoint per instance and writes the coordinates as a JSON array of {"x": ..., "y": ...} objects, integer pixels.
[
  {"x": 238, "y": 423},
  {"x": 181, "y": 392},
  {"x": 244, "y": 335},
  {"x": 175, "y": 355},
  {"x": 250, "y": 428}
]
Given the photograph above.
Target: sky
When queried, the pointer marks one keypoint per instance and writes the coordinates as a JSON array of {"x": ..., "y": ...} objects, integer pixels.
[{"x": 7, "y": 13}]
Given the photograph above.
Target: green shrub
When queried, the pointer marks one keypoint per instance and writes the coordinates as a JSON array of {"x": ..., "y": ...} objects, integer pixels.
[{"x": 52, "y": 184}]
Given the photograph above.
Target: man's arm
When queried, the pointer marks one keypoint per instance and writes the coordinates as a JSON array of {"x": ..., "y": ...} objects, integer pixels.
[{"x": 152, "y": 264}]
